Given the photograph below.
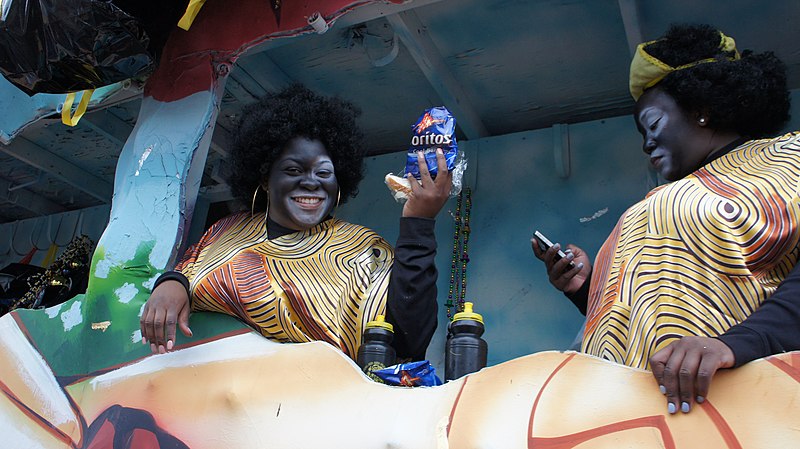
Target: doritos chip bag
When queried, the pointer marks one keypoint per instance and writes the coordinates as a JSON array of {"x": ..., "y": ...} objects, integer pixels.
[
  {"x": 412, "y": 374},
  {"x": 435, "y": 128}
]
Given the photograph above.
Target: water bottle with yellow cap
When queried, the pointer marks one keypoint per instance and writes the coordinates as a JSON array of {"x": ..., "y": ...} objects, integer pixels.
[
  {"x": 376, "y": 351},
  {"x": 465, "y": 350}
]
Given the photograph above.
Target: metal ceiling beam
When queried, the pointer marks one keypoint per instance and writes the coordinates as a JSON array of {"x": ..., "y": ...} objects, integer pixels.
[
  {"x": 36, "y": 156},
  {"x": 216, "y": 194},
  {"x": 235, "y": 88},
  {"x": 629, "y": 10},
  {"x": 263, "y": 71},
  {"x": 221, "y": 171},
  {"x": 221, "y": 141},
  {"x": 415, "y": 37},
  {"x": 109, "y": 125},
  {"x": 28, "y": 200}
]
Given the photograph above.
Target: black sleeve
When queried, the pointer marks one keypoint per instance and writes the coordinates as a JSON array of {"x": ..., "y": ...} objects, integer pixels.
[
  {"x": 411, "y": 304},
  {"x": 581, "y": 297},
  {"x": 773, "y": 328}
]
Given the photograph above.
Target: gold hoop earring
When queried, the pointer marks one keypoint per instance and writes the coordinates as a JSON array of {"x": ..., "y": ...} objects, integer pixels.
[
  {"x": 266, "y": 216},
  {"x": 253, "y": 205},
  {"x": 338, "y": 197}
]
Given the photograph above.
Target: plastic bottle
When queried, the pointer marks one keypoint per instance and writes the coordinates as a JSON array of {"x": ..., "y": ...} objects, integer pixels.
[
  {"x": 376, "y": 351},
  {"x": 465, "y": 350}
]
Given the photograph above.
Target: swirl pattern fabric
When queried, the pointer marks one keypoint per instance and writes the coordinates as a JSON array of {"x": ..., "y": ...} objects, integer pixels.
[
  {"x": 698, "y": 255},
  {"x": 322, "y": 284}
]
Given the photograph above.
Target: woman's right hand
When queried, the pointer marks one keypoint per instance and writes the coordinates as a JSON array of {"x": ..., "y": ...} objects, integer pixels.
[
  {"x": 167, "y": 306},
  {"x": 565, "y": 279}
]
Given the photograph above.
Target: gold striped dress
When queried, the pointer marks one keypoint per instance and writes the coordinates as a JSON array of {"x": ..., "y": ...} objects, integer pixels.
[
  {"x": 322, "y": 284},
  {"x": 698, "y": 255}
]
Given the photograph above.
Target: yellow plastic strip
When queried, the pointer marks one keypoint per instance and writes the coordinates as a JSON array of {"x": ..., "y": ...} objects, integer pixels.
[
  {"x": 67, "y": 117},
  {"x": 50, "y": 256},
  {"x": 190, "y": 14}
]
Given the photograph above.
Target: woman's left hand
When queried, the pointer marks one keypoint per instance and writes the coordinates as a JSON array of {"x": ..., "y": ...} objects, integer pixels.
[
  {"x": 427, "y": 200},
  {"x": 684, "y": 369}
]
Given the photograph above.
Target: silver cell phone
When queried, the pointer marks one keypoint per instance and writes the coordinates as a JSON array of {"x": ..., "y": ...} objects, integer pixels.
[{"x": 545, "y": 244}]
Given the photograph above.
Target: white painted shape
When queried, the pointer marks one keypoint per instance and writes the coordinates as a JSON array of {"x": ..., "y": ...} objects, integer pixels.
[
  {"x": 72, "y": 317},
  {"x": 148, "y": 284},
  {"x": 146, "y": 153},
  {"x": 52, "y": 312},
  {"x": 126, "y": 293},
  {"x": 101, "y": 268}
]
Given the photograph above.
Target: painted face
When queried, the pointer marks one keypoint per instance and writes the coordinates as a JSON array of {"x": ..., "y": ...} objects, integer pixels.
[
  {"x": 302, "y": 185},
  {"x": 675, "y": 141}
]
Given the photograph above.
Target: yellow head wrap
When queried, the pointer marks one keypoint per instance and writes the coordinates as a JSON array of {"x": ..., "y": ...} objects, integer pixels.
[{"x": 647, "y": 71}]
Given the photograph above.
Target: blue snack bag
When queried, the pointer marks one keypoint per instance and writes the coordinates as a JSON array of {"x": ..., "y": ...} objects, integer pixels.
[
  {"x": 412, "y": 374},
  {"x": 435, "y": 128}
]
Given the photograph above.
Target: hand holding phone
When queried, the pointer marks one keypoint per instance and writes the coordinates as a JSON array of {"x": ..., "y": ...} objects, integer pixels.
[{"x": 545, "y": 244}]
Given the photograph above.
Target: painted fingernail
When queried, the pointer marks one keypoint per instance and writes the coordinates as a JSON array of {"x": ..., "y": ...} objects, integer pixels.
[
  {"x": 700, "y": 399},
  {"x": 580, "y": 265},
  {"x": 169, "y": 345},
  {"x": 568, "y": 251},
  {"x": 662, "y": 389},
  {"x": 671, "y": 408},
  {"x": 557, "y": 246},
  {"x": 570, "y": 256},
  {"x": 153, "y": 348},
  {"x": 685, "y": 407}
]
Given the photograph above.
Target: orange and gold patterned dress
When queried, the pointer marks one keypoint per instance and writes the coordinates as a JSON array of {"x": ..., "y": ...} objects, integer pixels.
[
  {"x": 322, "y": 284},
  {"x": 698, "y": 255}
]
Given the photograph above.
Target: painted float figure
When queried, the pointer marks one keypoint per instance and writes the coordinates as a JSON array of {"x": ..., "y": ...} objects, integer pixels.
[{"x": 65, "y": 385}]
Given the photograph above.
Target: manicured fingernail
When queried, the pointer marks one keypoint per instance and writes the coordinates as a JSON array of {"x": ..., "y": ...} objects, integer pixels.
[
  {"x": 671, "y": 408},
  {"x": 662, "y": 389},
  {"x": 557, "y": 246},
  {"x": 568, "y": 251},
  {"x": 144, "y": 341},
  {"x": 438, "y": 151},
  {"x": 685, "y": 407},
  {"x": 700, "y": 399},
  {"x": 153, "y": 348},
  {"x": 161, "y": 349},
  {"x": 570, "y": 256},
  {"x": 580, "y": 265},
  {"x": 169, "y": 345},
  {"x": 190, "y": 332}
]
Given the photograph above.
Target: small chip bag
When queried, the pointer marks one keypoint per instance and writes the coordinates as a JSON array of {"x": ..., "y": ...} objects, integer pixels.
[
  {"x": 435, "y": 128},
  {"x": 412, "y": 374}
]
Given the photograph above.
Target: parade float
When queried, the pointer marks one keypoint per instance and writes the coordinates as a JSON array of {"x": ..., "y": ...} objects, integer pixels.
[{"x": 77, "y": 375}]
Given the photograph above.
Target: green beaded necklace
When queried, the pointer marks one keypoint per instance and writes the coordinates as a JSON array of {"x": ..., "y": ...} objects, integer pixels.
[{"x": 458, "y": 272}]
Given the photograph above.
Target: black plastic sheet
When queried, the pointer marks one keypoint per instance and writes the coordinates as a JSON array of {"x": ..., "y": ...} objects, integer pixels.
[{"x": 60, "y": 46}]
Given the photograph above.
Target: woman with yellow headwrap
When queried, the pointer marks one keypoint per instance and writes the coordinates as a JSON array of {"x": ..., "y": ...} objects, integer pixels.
[{"x": 687, "y": 282}]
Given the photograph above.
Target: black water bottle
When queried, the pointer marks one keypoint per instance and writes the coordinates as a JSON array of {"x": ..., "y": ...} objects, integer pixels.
[
  {"x": 376, "y": 351},
  {"x": 465, "y": 350}
]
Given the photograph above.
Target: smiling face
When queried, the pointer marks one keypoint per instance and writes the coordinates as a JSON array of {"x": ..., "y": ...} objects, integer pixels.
[
  {"x": 302, "y": 185},
  {"x": 676, "y": 141}
]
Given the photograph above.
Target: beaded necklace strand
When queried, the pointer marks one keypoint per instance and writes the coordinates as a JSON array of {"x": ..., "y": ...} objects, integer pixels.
[{"x": 458, "y": 272}]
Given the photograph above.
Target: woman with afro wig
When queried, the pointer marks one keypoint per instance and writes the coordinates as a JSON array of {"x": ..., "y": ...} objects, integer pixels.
[
  {"x": 699, "y": 275},
  {"x": 287, "y": 266}
]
